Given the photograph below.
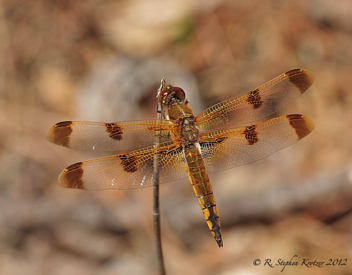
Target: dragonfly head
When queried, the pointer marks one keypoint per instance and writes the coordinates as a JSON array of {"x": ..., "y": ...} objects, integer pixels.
[{"x": 171, "y": 96}]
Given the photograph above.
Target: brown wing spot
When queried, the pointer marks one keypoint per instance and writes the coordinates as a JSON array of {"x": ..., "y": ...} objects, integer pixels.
[
  {"x": 71, "y": 177},
  {"x": 302, "y": 79},
  {"x": 301, "y": 124},
  {"x": 129, "y": 163},
  {"x": 255, "y": 99},
  {"x": 60, "y": 133},
  {"x": 251, "y": 135},
  {"x": 114, "y": 130}
]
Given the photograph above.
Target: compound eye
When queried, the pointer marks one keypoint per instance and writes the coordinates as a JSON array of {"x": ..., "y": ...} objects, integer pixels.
[
  {"x": 166, "y": 91},
  {"x": 170, "y": 95},
  {"x": 179, "y": 93}
]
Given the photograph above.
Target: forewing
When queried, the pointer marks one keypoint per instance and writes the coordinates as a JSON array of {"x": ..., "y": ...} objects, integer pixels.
[
  {"x": 256, "y": 104},
  {"x": 230, "y": 148},
  {"x": 126, "y": 171},
  {"x": 115, "y": 136}
]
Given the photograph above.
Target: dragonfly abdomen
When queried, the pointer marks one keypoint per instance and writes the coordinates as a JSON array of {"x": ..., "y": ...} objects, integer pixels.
[{"x": 201, "y": 185}]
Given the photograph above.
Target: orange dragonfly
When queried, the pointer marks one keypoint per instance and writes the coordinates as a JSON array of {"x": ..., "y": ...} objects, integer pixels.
[{"x": 223, "y": 136}]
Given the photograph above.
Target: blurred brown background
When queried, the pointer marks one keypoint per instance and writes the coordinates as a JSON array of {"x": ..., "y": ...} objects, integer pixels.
[{"x": 102, "y": 60}]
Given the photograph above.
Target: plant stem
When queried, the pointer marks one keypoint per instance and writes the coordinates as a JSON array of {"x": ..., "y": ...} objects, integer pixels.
[{"x": 156, "y": 209}]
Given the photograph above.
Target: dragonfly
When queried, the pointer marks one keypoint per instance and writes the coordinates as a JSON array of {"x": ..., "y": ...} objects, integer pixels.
[{"x": 223, "y": 136}]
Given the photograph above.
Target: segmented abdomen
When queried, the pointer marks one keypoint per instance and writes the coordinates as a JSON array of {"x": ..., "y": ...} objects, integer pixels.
[{"x": 202, "y": 188}]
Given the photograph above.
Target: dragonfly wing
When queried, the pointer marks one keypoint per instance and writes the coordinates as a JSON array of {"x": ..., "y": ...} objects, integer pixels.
[
  {"x": 256, "y": 104},
  {"x": 115, "y": 136},
  {"x": 224, "y": 149},
  {"x": 126, "y": 171}
]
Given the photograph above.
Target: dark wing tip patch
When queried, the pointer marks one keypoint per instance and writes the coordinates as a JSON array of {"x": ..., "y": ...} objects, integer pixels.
[
  {"x": 302, "y": 125},
  {"x": 114, "y": 130},
  {"x": 301, "y": 78},
  {"x": 254, "y": 98},
  {"x": 63, "y": 124},
  {"x": 251, "y": 135},
  {"x": 129, "y": 163},
  {"x": 60, "y": 133},
  {"x": 71, "y": 177}
]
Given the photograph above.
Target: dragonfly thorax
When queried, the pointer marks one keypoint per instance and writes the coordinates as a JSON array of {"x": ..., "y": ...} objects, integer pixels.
[
  {"x": 179, "y": 111},
  {"x": 189, "y": 132}
]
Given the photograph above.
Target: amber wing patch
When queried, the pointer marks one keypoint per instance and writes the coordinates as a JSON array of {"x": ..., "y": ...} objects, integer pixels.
[
  {"x": 301, "y": 125},
  {"x": 302, "y": 79},
  {"x": 71, "y": 177},
  {"x": 60, "y": 133}
]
